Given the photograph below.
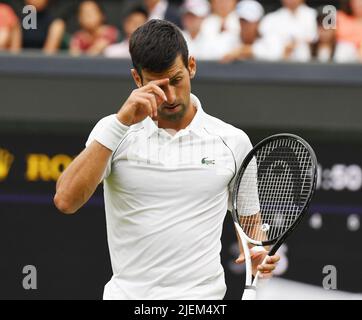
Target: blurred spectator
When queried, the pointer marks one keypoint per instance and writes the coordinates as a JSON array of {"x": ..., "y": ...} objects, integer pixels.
[
  {"x": 49, "y": 31},
  {"x": 288, "y": 32},
  {"x": 10, "y": 30},
  {"x": 94, "y": 35},
  {"x": 250, "y": 12},
  {"x": 326, "y": 48},
  {"x": 223, "y": 26},
  {"x": 199, "y": 42},
  {"x": 161, "y": 9},
  {"x": 349, "y": 28},
  {"x": 135, "y": 17}
]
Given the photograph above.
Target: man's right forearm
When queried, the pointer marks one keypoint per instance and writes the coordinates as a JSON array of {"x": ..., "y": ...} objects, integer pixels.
[{"x": 81, "y": 178}]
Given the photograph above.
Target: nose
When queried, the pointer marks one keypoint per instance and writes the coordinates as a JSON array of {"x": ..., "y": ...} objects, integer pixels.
[{"x": 170, "y": 94}]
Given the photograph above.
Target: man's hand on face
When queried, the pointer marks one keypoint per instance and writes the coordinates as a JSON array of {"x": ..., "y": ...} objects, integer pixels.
[{"x": 143, "y": 102}]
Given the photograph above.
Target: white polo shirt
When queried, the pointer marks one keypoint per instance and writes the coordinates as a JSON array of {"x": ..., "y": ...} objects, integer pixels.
[{"x": 166, "y": 197}]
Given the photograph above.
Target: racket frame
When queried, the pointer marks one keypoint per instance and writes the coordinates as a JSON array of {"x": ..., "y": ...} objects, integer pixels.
[
  {"x": 242, "y": 169},
  {"x": 250, "y": 287}
]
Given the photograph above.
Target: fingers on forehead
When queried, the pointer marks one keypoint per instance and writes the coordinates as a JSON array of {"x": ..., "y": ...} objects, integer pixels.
[
  {"x": 157, "y": 90},
  {"x": 160, "y": 81}
]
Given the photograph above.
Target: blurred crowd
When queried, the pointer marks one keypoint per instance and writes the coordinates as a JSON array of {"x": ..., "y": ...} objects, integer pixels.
[{"x": 221, "y": 30}]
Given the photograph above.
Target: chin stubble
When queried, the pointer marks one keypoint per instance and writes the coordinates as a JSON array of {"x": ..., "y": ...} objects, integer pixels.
[{"x": 173, "y": 117}]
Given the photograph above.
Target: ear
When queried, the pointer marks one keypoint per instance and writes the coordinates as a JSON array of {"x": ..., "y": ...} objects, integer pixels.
[
  {"x": 137, "y": 78},
  {"x": 192, "y": 67}
]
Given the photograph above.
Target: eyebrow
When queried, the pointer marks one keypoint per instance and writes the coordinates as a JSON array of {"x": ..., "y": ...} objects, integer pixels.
[{"x": 178, "y": 74}]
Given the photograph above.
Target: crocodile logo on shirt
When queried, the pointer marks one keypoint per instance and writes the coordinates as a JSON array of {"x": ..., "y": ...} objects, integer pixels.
[{"x": 207, "y": 162}]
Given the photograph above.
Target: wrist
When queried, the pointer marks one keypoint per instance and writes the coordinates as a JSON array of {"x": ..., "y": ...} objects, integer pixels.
[
  {"x": 111, "y": 135},
  {"x": 124, "y": 119}
]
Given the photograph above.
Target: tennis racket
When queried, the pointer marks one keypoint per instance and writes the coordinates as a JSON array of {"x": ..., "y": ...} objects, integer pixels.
[{"x": 272, "y": 191}]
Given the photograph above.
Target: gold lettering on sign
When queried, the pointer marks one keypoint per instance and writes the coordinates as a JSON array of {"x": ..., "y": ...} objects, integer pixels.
[
  {"x": 41, "y": 167},
  {"x": 6, "y": 160}
]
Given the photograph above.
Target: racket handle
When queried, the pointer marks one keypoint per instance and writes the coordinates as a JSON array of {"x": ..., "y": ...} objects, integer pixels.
[
  {"x": 256, "y": 278},
  {"x": 249, "y": 293}
]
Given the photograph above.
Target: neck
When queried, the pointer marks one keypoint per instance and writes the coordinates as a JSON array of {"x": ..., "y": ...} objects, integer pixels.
[
  {"x": 294, "y": 10},
  {"x": 194, "y": 34},
  {"x": 325, "y": 45},
  {"x": 224, "y": 15},
  {"x": 94, "y": 31}
]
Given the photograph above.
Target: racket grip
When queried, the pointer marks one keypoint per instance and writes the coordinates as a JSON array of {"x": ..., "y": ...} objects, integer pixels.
[{"x": 249, "y": 293}]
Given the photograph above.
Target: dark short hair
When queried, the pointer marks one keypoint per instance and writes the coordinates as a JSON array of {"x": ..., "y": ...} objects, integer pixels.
[{"x": 155, "y": 45}]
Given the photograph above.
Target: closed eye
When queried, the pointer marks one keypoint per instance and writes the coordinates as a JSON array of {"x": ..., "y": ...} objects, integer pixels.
[{"x": 175, "y": 81}]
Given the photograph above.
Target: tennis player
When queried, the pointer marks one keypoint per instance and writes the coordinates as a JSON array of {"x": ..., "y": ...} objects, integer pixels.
[{"x": 167, "y": 168}]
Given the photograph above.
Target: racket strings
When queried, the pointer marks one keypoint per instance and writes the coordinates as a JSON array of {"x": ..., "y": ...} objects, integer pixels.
[{"x": 274, "y": 188}]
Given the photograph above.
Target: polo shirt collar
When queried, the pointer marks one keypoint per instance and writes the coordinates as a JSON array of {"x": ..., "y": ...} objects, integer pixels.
[{"x": 196, "y": 125}]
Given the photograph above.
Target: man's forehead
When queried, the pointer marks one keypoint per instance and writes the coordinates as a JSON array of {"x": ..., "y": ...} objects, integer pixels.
[{"x": 176, "y": 69}]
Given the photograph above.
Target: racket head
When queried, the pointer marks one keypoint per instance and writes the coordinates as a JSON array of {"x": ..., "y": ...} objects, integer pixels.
[{"x": 280, "y": 174}]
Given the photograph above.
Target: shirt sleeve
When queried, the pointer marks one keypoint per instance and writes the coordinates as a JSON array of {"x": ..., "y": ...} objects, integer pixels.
[
  {"x": 97, "y": 128},
  {"x": 248, "y": 191}
]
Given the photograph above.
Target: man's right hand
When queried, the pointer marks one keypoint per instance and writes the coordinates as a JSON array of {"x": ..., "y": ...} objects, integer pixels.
[{"x": 143, "y": 102}]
